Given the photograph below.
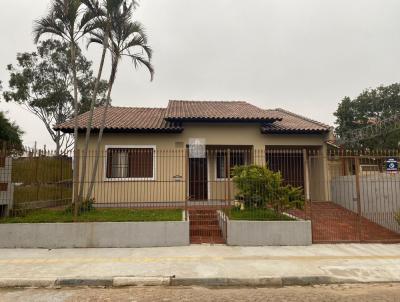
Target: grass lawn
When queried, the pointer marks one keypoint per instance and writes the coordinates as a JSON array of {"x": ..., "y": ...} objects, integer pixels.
[
  {"x": 97, "y": 215},
  {"x": 256, "y": 214}
]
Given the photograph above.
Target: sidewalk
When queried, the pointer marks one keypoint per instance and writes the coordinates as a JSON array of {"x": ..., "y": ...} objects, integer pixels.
[{"x": 201, "y": 265}]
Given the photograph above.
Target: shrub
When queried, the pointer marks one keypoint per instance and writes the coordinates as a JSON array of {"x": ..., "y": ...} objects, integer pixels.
[
  {"x": 258, "y": 186},
  {"x": 397, "y": 217},
  {"x": 86, "y": 206}
]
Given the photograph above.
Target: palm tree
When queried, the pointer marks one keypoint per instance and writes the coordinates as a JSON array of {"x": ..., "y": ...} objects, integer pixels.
[
  {"x": 103, "y": 13},
  {"x": 67, "y": 20},
  {"x": 126, "y": 39}
]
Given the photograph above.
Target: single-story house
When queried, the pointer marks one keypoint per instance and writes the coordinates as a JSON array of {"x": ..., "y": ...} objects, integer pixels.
[{"x": 185, "y": 151}]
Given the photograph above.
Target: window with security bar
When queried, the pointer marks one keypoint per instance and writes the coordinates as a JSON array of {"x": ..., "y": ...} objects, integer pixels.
[
  {"x": 130, "y": 163},
  {"x": 236, "y": 158}
]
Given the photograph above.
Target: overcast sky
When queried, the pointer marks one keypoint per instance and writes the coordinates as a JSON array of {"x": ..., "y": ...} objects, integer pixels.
[{"x": 300, "y": 55}]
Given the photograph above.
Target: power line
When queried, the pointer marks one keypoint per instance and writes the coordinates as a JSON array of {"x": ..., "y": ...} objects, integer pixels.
[{"x": 379, "y": 128}]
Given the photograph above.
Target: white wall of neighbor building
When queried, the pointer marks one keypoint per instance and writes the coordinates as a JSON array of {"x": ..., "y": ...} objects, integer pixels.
[{"x": 380, "y": 197}]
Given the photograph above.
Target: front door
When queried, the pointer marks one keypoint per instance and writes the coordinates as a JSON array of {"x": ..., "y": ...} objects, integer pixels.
[
  {"x": 290, "y": 162},
  {"x": 198, "y": 178}
]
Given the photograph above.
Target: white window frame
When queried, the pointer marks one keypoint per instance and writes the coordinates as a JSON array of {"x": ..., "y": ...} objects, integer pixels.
[
  {"x": 216, "y": 167},
  {"x": 130, "y": 147}
]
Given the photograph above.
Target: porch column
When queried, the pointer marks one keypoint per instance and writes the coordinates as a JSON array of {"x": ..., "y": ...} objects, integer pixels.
[
  {"x": 325, "y": 170},
  {"x": 306, "y": 172},
  {"x": 228, "y": 163},
  {"x": 259, "y": 155}
]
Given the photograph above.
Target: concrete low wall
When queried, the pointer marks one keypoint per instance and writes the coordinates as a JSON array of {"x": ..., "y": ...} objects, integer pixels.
[
  {"x": 94, "y": 234},
  {"x": 255, "y": 233}
]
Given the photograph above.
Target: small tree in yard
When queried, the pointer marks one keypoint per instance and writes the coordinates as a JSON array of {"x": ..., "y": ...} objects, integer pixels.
[
  {"x": 42, "y": 83},
  {"x": 259, "y": 187},
  {"x": 397, "y": 217}
]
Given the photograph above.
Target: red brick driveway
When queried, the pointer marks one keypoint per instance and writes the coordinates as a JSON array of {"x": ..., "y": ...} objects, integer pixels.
[{"x": 333, "y": 223}]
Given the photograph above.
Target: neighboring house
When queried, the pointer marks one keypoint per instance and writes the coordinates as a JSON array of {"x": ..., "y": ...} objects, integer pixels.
[{"x": 156, "y": 155}]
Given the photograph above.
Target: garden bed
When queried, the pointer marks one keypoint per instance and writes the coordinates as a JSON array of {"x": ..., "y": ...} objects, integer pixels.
[
  {"x": 97, "y": 215},
  {"x": 257, "y": 214},
  {"x": 263, "y": 227}
]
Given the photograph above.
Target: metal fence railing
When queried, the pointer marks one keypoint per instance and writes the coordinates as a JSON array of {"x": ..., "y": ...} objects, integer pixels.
[
  {"x": 358, "y": 198},
  {"x": 34, "y": 180},
  {"x": 348, "y": 196}
]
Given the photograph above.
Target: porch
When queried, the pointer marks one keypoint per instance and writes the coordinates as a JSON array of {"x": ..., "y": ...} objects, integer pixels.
[{"x": 210, "y": 175}]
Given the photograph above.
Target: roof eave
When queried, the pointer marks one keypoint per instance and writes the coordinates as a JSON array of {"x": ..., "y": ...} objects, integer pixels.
[
  {"x": 222, "y": 120},
  {"x": 124, "y": 130},
  {"x": 294, "y": 131}
]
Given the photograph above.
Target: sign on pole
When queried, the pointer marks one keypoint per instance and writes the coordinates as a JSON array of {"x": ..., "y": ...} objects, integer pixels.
[
  {"x": 197, "y": 147},
  {"x": 392, "y": 166}
]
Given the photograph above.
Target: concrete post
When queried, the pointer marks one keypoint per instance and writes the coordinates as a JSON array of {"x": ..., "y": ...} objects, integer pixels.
[
  {"x": 228, "y": 164},
  {"x": 358, "y": 196},
  {"x": 306, "y": 173},
  {"x": 75, "y": 186}
]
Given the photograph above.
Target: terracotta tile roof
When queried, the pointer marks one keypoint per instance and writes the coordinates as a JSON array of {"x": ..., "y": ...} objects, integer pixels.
[
  {"x": 134, "y": 119},
  {"x": 293, "y": 123},
  {"x": 131, "y": 119},
  {"x": 214, "y": 110}
]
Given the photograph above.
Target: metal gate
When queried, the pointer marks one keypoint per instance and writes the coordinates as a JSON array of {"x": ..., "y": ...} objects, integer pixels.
[{"x": 354, "y": 197}]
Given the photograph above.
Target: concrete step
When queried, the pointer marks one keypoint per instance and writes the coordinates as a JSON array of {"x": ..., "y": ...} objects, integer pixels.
[
  {"x": 205, "y": 232},
  {"x": 203, "y": 215},
  {"x": 203, "y": 222},
  {"x": 206, "y": 239},
  {"x": 204, "y": 227}
]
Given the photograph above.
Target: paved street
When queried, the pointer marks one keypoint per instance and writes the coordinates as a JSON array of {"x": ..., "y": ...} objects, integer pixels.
[{"x": 365, "y": 293}]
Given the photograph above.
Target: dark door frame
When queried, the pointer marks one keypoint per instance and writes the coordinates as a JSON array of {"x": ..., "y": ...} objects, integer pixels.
[{"x": 201, "y": 188}]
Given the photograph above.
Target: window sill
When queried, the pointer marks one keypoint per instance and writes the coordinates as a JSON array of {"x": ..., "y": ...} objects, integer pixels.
[
  {"x": 128, "y": 179},
  {"x": 223, "y": 179}
]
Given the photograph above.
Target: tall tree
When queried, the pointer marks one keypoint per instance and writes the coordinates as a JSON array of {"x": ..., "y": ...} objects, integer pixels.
[
  {"x": 67, "y": 20},
  {"x": 102, "y": 19},
  {"x": 10, "y": 134},
  {"x": 368, "y": 108},
  {"x": 42, "y": 83},
  {"x": 126, "y": 38}
]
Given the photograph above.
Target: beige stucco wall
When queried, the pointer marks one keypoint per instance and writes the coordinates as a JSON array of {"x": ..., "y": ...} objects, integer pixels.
[{"x": 171, "y": 160}]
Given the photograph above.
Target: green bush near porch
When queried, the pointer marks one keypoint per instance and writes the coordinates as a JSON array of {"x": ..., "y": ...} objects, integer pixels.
[
  {"x": 259, "y": 187},
  {"x": 259, "y": 214},
  {"x": 98, "y": 215}
]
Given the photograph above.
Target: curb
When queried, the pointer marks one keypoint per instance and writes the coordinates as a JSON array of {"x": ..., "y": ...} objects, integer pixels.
[
  {"x": 210, "y": 282},
  {"x": 141, "y": 281},
  {"x": 84, "y": 281},
  {"x": 26, "y": 282},
  {"x": 125, "y": 281},
  {"x": 266, "y": 282}
]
